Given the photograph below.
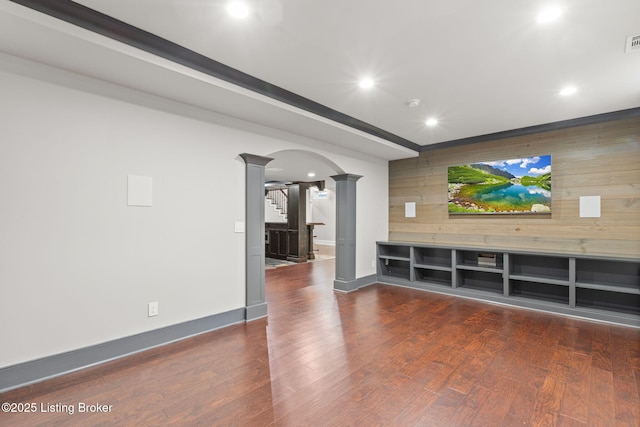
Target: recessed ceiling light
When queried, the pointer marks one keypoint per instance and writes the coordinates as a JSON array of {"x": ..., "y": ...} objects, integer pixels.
[
  {"x": 568, "y": 90},
  {"x": 238, "y": 9},
  {"x": 431, "y": 122},
  {"x": 366, "y": 83},
  {"x": 311, "y": 174},
  {"x": 549, "y": 14}
]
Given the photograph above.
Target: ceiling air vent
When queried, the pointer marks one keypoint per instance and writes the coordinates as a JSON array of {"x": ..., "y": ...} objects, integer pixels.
[{"x": 633, "y": 43}]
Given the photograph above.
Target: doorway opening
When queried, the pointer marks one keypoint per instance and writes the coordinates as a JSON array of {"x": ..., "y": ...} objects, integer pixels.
[{"x": 300, "y": 208}]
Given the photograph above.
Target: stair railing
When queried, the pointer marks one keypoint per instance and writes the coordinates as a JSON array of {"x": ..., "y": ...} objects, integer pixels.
[{"x": 278, "y": 197}]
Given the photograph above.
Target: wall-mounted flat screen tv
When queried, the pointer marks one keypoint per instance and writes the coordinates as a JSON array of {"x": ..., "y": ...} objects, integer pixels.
[{"x": 514, "y": 186}]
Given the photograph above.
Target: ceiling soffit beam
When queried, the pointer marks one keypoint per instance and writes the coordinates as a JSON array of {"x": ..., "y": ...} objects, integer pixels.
[
  {"x": 564, "y": 124},
  {"x": 107, "y": 26}
]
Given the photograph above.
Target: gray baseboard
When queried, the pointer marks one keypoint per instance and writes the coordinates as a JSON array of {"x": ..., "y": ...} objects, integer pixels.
[
  {"x": 31, "y": 372},
  {"x": 352, "y": 285},
  {"x": 367, "y": 280}
]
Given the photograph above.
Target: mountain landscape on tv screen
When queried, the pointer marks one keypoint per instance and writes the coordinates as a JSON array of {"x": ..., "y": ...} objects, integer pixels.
[{"x": 504, "y": 187}]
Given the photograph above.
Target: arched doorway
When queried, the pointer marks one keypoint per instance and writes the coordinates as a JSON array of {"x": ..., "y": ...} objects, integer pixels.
[{"x": 298, "y": 162}]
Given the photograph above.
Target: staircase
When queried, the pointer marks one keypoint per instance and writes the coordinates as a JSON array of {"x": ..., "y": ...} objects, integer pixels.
[{"x": 278, "y": 198}]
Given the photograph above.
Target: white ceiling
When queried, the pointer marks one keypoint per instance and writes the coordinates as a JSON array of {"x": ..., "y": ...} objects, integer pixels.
[
  {"x": 480, "y": 67},
  {"x": 297, "y": 165}
]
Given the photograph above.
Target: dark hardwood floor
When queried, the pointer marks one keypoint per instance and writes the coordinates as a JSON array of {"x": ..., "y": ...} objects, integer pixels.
[{"x": 380, "y": 356}]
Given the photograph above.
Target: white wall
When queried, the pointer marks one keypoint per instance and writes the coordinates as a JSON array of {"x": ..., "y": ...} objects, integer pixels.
[
  {"x": 324, "y": 211},
  {"x": 77, "y": 265},
  {"x": 372, "y": 221}
]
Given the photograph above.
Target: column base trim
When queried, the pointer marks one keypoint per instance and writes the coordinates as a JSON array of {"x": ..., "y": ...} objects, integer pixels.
[
  {"x": 255, "y": 312},
  {"x": 353, "y": 285}
]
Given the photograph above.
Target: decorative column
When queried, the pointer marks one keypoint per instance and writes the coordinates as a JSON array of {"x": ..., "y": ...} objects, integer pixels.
[
  {"x": 256, "y": 305},
  {"x": 345, "y": 232}
]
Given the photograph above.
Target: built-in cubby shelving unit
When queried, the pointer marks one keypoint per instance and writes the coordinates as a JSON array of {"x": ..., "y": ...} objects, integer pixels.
[
  {"x": 432, "y": 265},
  {"x": 396, "y": 261},
  {"x": 600, "y": 288}
]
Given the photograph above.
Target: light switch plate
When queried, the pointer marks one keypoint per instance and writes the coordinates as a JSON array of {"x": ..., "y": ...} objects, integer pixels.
[{"x": 153, "y": 308}]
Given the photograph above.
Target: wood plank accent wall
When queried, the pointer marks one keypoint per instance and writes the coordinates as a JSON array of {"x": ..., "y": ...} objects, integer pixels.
[{"x": 593, "y": 160}]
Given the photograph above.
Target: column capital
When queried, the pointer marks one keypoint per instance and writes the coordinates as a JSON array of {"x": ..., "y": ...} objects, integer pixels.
[
  {"x": 346, "y": 177},
  {"x": 253, "y": 159}
]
